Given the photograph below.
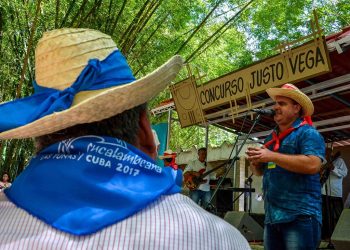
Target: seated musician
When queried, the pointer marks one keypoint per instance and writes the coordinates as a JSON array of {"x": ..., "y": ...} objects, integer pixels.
[{"x": 199, "y": 187}]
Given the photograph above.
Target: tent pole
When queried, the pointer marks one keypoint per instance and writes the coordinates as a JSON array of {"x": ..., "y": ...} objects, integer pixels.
[
  {"x": 170, "y": 113},
  {"x": 206, "y": 135}
]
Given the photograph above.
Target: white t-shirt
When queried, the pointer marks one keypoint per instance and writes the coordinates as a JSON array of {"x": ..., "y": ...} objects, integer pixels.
[
  {"x": 196, "y": 166},
  {"x": 335, "y": 180},
  {"x": 172, "y": 222},
  {"x": 4, "y": 185}
]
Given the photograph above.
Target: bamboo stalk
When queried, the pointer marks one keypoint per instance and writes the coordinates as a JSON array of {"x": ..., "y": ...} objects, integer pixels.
[
  {"x": 217, "y": 31},
  {"x": 199, "y": 26},
  {"x": 57, "y": 13},
  {"x": 94, "y": 9},
  {"x": 70, "y": 8},
  {"x": 133, "y": 22},
  {"x": 79, "y": 12},
  {"x": 30, "y": 42},
  {"x": 109, "y": 19},
  {"x": 143, "y": 45},
  {"x": 1, "y": 29},
  {"x": 137, "y": 29},
  {"x": 117, "y": 18}
]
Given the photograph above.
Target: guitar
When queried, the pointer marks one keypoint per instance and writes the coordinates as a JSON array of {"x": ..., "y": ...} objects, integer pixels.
[{"x": 193, "y": 179}]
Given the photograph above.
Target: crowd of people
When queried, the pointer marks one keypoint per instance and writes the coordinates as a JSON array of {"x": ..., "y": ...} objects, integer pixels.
[{"x": 93, "y": 182}]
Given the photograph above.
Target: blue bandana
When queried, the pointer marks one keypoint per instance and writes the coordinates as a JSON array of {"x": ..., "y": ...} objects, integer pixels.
[
  {"x": 85, "y": 184},
  {"x": 112, "y": 71}
]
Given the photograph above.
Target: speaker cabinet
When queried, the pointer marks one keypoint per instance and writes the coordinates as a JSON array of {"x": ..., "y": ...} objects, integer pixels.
[
  {"x": 224, "y": 201},
  {"x": 341, "y": 235},
  {"x": 250, "y": 229}
]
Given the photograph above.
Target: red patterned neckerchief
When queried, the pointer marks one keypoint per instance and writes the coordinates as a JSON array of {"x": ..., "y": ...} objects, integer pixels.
[
  {"x": 172, "y": 164},
  {"x": 278, "y": 138}
]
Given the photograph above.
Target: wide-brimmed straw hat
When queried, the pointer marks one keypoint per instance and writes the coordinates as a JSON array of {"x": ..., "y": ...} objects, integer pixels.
[
  {"x": 292, "y": 92},
  {"x": 168, "y": 154},
  {"x": 84, "y": 67}
]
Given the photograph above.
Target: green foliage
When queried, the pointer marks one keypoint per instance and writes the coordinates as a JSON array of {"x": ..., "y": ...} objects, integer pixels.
[
  {"x": 185, "y": 138},
  {"x": 14, "y": 155},
  {"x": 212, "y": 34}
]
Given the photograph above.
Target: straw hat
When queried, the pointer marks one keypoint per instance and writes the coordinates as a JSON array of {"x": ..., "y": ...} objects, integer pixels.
[
  {"x": 61, "y": 56},
  {"x": 167, "y": 154},
  {"x": 292, "y": 92}
]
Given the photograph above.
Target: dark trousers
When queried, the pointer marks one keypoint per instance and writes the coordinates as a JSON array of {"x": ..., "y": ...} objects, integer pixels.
[
  {"x": 200, "y": 197},
  {"x": 332, "y": 208}
]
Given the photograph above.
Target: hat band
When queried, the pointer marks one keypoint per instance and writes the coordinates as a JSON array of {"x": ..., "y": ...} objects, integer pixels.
[{"x": 110, "y": 72}]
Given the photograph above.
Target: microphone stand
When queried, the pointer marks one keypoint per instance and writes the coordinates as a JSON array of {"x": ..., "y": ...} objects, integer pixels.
[
  {"x": 327, "y": 210},
  {"x": 232, "y": 162},
  {"x": 248, "y": 182},
  {"x": 330, "y": 220}
]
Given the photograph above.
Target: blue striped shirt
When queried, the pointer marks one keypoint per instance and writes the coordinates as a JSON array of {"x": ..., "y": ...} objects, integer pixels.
[{"x": 289, "y": 194}]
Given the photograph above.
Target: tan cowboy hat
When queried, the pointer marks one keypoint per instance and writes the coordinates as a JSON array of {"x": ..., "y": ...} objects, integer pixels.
[
  {"x": 292, "y": 92},
  {"x": 167, "y": 154},
  {"x": 61, "y": 56}
]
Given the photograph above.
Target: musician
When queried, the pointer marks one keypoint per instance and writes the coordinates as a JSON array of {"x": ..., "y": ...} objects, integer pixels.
[
  {"x": 169, "y": 159},
  {"x": 200, "y": 195},
  {"x": 290, "y": 162},
  {"x": 332, "y": 193}
]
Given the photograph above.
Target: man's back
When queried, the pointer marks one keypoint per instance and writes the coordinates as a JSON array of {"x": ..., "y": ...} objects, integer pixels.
[{"x": 172, "y": 222}]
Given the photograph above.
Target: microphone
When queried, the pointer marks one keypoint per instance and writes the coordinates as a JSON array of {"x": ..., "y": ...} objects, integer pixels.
[{"x": 269, "y": 112}]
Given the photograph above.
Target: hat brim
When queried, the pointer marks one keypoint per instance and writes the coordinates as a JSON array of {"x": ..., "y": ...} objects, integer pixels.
[
  {"x": 96, "y": 105},
  {"x": 296, "y": 95},
  {"x": 165, "y": 157}
]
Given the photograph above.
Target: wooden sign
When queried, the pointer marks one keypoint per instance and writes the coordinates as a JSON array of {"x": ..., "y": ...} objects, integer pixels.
[
  {"x": 187, "y": 103},
  {"x": 294, "y": 65},
  {"x": 289, "y": 66}
]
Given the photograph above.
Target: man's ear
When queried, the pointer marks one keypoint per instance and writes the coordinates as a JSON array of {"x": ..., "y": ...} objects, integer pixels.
[
  {"x": 298, "y": 108},
  {"x": 145, "y": 139}
]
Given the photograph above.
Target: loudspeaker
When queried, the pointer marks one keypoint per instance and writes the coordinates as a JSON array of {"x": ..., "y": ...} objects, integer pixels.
[
  {"x": 250, "y": 229},
  {"x": 340, "y": 237},
  {"x": 224, "y": 201}
]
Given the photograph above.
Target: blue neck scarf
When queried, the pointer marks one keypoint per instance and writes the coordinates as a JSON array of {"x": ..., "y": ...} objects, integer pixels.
[
  {"x": 85, "y": 184},
  {"x": 112, "y": 71}
]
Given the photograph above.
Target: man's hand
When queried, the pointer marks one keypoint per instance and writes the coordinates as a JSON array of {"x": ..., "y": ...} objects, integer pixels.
[
  {"x": 259, "y": 155},
  {"x": 220, "y": 172},
  {"x": 302, "y": 164}
]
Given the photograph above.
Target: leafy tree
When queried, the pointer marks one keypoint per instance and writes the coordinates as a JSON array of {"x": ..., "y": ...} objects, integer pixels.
[{"x": 215, "y": 36}]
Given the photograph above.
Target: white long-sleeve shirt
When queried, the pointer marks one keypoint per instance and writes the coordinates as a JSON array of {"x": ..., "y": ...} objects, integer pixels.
[
  {"x": 172, "y": 222},
  {"x": 335, "y": 180}
]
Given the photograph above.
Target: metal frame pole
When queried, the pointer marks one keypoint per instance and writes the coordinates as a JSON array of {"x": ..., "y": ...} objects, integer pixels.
[{"x": 170, "y": 114}]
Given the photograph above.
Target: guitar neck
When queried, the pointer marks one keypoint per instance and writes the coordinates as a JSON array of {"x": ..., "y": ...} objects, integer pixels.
[{"x": 216, "y": 168}]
